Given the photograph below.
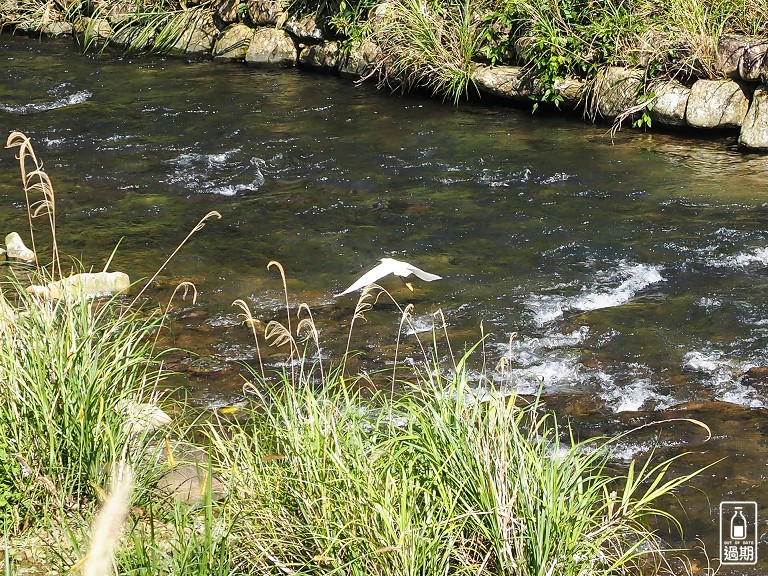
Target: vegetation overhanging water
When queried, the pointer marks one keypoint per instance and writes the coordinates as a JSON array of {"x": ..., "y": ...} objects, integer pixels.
[{"x": 632, "y": 272}]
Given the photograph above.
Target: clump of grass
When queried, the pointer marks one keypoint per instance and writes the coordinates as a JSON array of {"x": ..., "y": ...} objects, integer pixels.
[{"x": 428, "y": 45}]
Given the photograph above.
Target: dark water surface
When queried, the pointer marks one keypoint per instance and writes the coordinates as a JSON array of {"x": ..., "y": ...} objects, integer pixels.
[{"x": 634, "y": 272}]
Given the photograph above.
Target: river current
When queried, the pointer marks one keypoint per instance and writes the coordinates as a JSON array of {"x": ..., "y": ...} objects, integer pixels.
[{"x": 632, "y": 271}]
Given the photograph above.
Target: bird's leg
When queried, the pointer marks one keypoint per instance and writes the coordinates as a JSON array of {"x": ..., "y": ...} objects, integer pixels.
[{"x": 408, "y": 284}]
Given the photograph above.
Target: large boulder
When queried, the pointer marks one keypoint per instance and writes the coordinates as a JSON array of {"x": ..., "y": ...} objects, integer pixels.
[
  {"x": 131, "y": 37},
  {"x": 198, "y": 37},
  {"x": 670, "y": 102},
  {"x": 360, "y": 60},
  {"x": 508, "y": 82},
  {"x": 754, "y": 130},
  {"x": 616, "y": 90},
  {"x": 271, "y": 47},
  {"x": 91, "y": 30},
  {"x": 233, "y": 43},
  {"x": 304, "y": 29},
  {"x": 266, "y": 12},
  {"x": 323, "y": 56},
  {"x": 753, "y": 64},
  {"x": 57, "y": 28},
  {"x": 717, "y": 104},
  {"x": 226, "y": 11},
  {"x": 730, "y": 48}
]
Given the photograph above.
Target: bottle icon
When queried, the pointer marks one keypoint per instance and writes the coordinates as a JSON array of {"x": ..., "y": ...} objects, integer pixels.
[{"x": 738, "y": 525}]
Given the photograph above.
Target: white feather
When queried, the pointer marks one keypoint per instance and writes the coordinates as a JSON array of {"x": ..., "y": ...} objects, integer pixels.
[{"x": 389, "y": 266}]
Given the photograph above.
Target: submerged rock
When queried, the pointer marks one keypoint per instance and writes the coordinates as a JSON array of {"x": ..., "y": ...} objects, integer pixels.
[
  {"x": 271, "y": 47},
  {"x": 717, "y": 104},
  {"x": 754, "y": 131},
  {"x": 17, "y": 250}
]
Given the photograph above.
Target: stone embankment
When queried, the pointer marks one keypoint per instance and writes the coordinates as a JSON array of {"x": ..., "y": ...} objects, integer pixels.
[{"x": 264, "y": 34}]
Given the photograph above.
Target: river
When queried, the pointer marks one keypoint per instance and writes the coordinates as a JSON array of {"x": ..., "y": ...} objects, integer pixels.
[{"x": 632, "y": 271}]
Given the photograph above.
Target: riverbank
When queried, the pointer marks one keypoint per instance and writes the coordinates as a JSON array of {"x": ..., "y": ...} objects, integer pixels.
[{"x": 700, "y": 65}]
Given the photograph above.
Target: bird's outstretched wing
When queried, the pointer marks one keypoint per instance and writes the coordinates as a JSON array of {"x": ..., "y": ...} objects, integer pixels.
[
  {"x": 427, "y": 276},
  {"x": 374, "y": 274}
]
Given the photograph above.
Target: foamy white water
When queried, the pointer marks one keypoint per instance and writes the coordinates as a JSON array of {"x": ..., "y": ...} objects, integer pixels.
[
  {"x": 213, "y": 173},
  {"x": 757, "y": 256},
  {"x": 70, "y": 100},
  {"x": 614, "y": 288},
  {"x": 724, "y": 375}
]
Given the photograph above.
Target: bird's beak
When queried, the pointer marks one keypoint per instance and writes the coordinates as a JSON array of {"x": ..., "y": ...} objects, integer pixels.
[{"x": 410, "y": 286}]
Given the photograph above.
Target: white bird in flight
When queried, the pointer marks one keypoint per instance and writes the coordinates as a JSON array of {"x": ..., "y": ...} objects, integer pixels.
[{"x": 389, "y": 266}]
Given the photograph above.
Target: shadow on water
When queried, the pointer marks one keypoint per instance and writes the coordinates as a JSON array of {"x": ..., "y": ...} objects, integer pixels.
[{"x": 632, "y": 271}]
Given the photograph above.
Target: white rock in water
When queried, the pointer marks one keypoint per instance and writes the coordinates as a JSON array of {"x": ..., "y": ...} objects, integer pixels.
[
  {"x": 17, "y": 249},
  {"x": 88, "y": 284},
  {"x": 91, "y": 284}
]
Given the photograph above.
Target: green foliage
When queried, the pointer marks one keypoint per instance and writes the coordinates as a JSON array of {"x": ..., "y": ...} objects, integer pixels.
[{"x": 350, "y": 20}]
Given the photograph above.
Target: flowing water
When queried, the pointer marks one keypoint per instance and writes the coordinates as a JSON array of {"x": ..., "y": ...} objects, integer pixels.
[{"x": 633, "y": 272}]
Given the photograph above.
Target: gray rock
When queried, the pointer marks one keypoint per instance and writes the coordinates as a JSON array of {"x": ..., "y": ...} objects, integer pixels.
[
  {"x": 233, "y": 43},
  {"x": 505, "y": 81},
  {"x": 187, "y": 483},
  {"x": 717, "y": 104},
  {"x": 271, "y": 47},
  {"x": 670, "y": 103},
  {"x": 615, "y": 90},
  {"x": 198, "y": 38},
  {"x": 754, "y": 131},
  {"x": 265, "y": 12},
  {"x": 17, "y": 250},
  {"x": 7, "y": 313},
  {"x": 56, "y": 29},
  {"x": 730, "y": 48},
  {"x": 752, "y": 63},
  {"x": 92, "y": 30},
  {"x": 304, "y": 29},
  {"x": 360, "y": 60},
  {"x": 226, "y": 10},
  {"x": 130, "y": 37},
  {"x": 323, "y": 56}
]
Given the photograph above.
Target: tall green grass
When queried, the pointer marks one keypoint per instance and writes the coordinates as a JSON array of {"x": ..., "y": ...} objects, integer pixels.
[{"x": 436, "y": 481}]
